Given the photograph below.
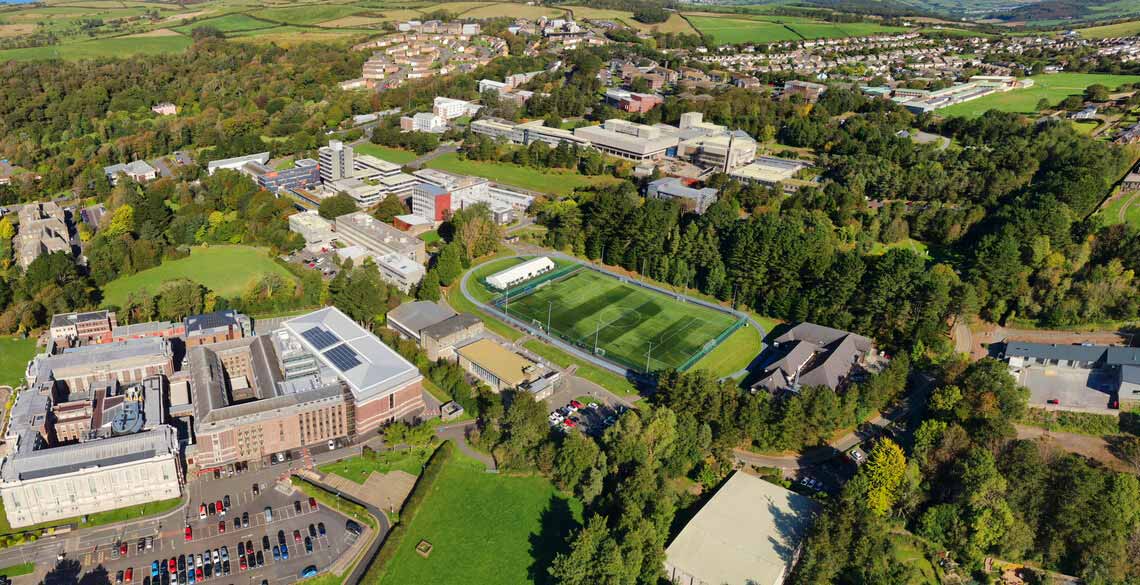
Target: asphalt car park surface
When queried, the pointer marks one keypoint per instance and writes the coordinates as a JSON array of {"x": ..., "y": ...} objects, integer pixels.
[{"x": 287, "y": 521}]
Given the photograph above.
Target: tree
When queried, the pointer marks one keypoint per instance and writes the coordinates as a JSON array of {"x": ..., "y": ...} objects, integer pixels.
[
  {"x": 389, "y": 208},
  {"x": 1097, "y": 93},
  {"x": 884, "y": 470},
  {"x": 336, "y": 206},
  {"x": 449, "y": 264},
  {"x": 429, "y": 287},
  {"x": 122, "y": 221}
]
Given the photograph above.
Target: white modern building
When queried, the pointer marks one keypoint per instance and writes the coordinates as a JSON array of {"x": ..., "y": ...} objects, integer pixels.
[
  {"x": 361, "y": 229},
  {"x": 520, "y": 273},
  {"x": 335, "y": 161},
  {"x": 237, "y": 162},
  {"x": 628, "y": 140},
  {"x": 450, "y": 109},
  {"x": 317, "y": 231}
]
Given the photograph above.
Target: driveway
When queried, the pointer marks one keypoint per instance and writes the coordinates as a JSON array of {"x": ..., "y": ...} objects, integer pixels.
[{"x": 1074, "y": 389}]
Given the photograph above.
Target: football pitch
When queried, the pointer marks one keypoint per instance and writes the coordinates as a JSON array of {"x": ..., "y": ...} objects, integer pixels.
[{"x": 627, "y": 324}]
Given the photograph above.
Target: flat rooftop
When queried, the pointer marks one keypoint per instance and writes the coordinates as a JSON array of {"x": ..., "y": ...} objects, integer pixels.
[{"x": 360, "y": 359}]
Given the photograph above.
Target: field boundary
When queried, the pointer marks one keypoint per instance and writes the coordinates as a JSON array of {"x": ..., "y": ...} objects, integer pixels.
[{"x": 502, "y": 304}]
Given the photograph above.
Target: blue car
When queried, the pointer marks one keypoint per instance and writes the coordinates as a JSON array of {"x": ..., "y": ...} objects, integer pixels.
[
  {"x": 190, "y": 577},
  {"x": 284, "y": 552},
  {"x": 276, "y": 553},
  {"x": 309, "y": 571},
  {"x": 154, "y": 568}
]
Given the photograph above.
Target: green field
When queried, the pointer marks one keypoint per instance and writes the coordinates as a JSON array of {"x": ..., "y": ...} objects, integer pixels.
[
  {"x": 733, "y": 354},
  {"x": 913, "y": 245},
  {"x": 17, "y": 570},
  {"x": 227, "y": 24},
  {"x": 542, "y": 180},
  {"x": 101, "y": 48},
  {"x": 733, "y": 29},
  {"x": 15, "y": 353},
  {"x": 358, "y": 468},
  {"x": 226, "y": 270},
  {"x": 1053, "y": 88},
  {"x": 1123, "y": 208},
  {"x": 630, "y": 325},
  {"x": 392, "y": 155},
  {"x": 484, "y": 528}
]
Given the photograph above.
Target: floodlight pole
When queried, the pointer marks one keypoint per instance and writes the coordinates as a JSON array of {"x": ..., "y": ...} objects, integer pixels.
[
  {"x": 597, "y": 331},
  {"x": 647, "y": 354},
  {"x": 549, "y": 306}
]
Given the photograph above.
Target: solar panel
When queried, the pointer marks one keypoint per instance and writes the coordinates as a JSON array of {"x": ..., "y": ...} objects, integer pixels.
[
  {"x": 343, "y": 357},
  {"x": 319, "y": 337}
]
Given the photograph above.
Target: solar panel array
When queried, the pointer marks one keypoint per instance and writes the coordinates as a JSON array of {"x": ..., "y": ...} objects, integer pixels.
[
  {"x": 320, "y": 337},
  {"x": 343, "y": 357}
]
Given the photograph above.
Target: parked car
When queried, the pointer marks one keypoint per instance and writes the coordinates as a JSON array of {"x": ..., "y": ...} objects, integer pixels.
[
  {"x": 308, "y": 571},
  {"x": 123, "y": 549},
  {"x": 297, "y": 506},
  {"x": 256, "y": 488},
  {"x": 321, "y": 528},
  {"x": 308, "y": 545},
  {"x": 212, "y": 508},
  {"x": 284, "y": 552},
  {"x": 268, "y": 514},
  {"x": 241, "y": 549},
  {"x": 141, "y": 545},
  {"x": 1053, "y": 401},
  {"x": 119, "y": 577},
  {"x": 226, "y": 501},
  {"x": 313, "y": 530},
  {"x": 265, "y": 542},
  {"x": 576, "y": 405},
  {"x": 276, "y": 553},
  {"x": 260, "y": 558},
  {"x": 245, "y": 519},
  {"x": 221, "y": 508},
  {"x": 222, "y": 527},
  {"x": 312, "y": 503}
]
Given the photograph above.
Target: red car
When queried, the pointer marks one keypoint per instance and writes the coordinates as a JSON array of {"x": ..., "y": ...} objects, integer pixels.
[
  {"x": 221, "y": 510},
  {"x": 128, "y": 575},
  {"x": 244, "y": 566},
  {"x": 569, "y": 423},
  {"x": 198, "y": 574},
  {"x": 576, "y": 404},
  {"x": 123, "y": 549},
  {"x": 172, "y": 566},
  {"x": 1053, "y": 401},
  {"x": 297, "y": 536},
  {"x": 189, "y": 533},
  {"x": 313, "y": 504},
  {"x": 222, "y": 527}
]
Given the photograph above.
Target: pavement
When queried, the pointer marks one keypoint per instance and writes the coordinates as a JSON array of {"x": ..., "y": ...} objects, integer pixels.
[
  {"x": 93, "y": 547},
  {"x": 425, "y": 159},
  {"x": 458, "y": 432}
]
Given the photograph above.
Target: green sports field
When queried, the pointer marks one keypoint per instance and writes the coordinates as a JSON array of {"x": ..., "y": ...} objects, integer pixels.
[
  {"x": 1053, "y": 88},
  {"x": 633, "y": 326}
]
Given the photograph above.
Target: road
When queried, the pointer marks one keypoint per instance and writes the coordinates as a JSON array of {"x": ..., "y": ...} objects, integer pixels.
[{"x": 357, "y": 574}]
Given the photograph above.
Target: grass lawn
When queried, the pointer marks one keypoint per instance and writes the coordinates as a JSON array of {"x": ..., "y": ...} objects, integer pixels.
[
  {"x": 393, "y": 155},
  {"x": 226, "y": 270},
  {"x": 606, "y": 379},
  {"x": 1085, "y": 127},
  {"x": 308, "y": 14},
  {"x": 227, "y": 23},
  {"x": 431, "y": 237},
  {"x": 101, "y": 48},
  {"x": 636, "y": 327},
  {"x": 1053, "y": 88},
  {"x": 97, "y": 519},
  {"x": 1120, "y": 29},
  {"x": 15, "y": 353},
  {"x": 358, "y": 468},
  {"x": 17, "y": 570},
  {"x": 908, "y": 551},
  {"x": 1124, "y": 208},
  {"x": 542, "y": 180},
  {"x": 484, "y": 528},
  {"x": 733, "y": 354},
  {"x": 910, "y": 244}
]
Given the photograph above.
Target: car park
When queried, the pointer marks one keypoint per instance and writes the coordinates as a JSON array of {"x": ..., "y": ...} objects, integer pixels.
[
  {"x": 312, "y": 504},
  {"x": 265, "y": 542},
  {"x": 226, "y": 501},
  {"x": 237, "y": 523},
  {"x": 297, "y": 506},
  {"x": 256, "y": 489},
  {"x": 221, "y": 509},
  {"x": 241, "y": 549},
  {"x": 154, "y": 568},
  {"x": 284, "y": 552}
]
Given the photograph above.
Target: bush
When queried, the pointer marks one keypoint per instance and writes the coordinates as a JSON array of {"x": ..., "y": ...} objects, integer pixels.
[{"x": 1084, "y": 423}]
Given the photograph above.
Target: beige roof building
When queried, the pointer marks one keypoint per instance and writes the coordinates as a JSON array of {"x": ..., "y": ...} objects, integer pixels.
[
  {"x": 42, "y": 230},
  {"x": 749, "y": 533},
  {"x": 498, "y": 366}
]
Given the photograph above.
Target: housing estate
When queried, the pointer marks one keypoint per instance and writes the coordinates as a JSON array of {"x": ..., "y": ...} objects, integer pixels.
[
  {"x": 750, "y": 532},
  {"x": 814, "y": 355}
]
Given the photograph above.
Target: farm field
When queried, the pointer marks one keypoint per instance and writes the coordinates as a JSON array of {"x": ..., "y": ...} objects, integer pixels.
[
  {"x": 393, "y": 155},
  {"x": 1051, "y": 87},
  {"x": 675, "y": 24},
  {"x": 227, "y": 24},
  {"x": 530, "y": 521},
  {"x": 543, "y": 180},
  {"x": 731, "y": 29},
  {"x": 515, "y": 10},
  {"x": 214, "y": 267},
  {"x": 101, "y": 48},
  {"x": 14, "y": 356},
  {"x": 625, "y": 323},
  {"x": 1120, "y": 29}
]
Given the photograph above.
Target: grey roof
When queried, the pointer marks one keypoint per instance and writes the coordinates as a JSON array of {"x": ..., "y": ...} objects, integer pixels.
[
  {"x": 1053, "y": 351},
  {"x": 138, "y": 167},
  {"x": 375, "y": 369},
  {"x": 813, "y": 355},
  {"x": 65, "y": 319},
  {"x": 419, "y": 315},
  {"x": 101, "y": 355},
  {"x": 149, "y": 327},
  {"x": 1130, "y": 374},
  {"x": 101, "y": 453},
  {"x": 749, "y": 532},
  {"x": 451, "y": 325},
  {"x": 211, "y": 398},
  {"x": 209, "y": 321},
  {"x": 1123, "y": 356}
]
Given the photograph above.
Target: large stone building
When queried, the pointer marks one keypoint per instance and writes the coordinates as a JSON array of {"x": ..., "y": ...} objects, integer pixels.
[
  {"x": 320, "y": 377},
  {"x": 43, "y": 230},
  {"x": 44, "y": 485},
  {"x": 95, "y": 326},
  {"x": 436, "y": 327},
  {"x": 80, "y": 368}
]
